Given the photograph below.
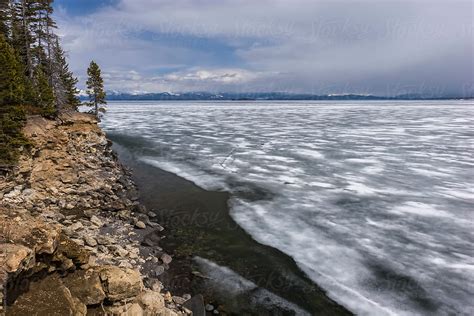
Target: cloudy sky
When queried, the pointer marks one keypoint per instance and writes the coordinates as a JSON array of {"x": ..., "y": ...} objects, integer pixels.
[{"x": 384, "y": 47}]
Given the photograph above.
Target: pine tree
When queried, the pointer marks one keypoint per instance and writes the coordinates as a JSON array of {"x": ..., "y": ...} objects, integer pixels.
[
  {"x": 95, "y": 89},
  {"x": 11, "y": 114},
  {"x": 4, "y": 18},
  {"x": 43, "y": 93},
  {"x": 24, "y": 15},
  {"x": 63, "y": 81},
  {"x": 11, "y": 76}
]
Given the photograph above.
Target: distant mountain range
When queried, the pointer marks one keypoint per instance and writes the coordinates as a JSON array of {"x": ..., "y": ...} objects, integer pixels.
[{"x": 207, "y": 96}]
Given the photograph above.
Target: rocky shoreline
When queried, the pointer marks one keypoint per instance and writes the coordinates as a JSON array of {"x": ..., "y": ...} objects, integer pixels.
[{"x": 71, "y": 222}]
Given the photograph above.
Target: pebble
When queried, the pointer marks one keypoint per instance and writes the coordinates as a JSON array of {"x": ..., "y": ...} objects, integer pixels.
[
  {"x": 140, "y": 225},
  {"x": 119, "y": 251},
  {"x": 103, "y": 249},
  {"x": 166, "y": 259},
  {"x": 90, "y": 241},
  {"x": 159, "y": 270},
  {"x": 187, "y": 297},
  {"x": 104, "y": 240},
  {"x": 76, "y": 226},
  {"x": 96, "y": 221},
  {"x": 209, "y": 307},
  {"x": 178, "y": 300}
]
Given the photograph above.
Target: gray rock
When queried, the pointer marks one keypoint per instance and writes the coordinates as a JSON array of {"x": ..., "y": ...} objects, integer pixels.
[
  {"x": 196, "y": 305},
  {"x": 186, "y": 297},
  {"x": 96, "y": 221},
  {"x": 103, "y": 249},
  {"x": 159, "y": 270},
  {"x": 90, "y": 241},
  {"x": 209, "y": 307},
  {"x": 166, "y": 259},
  {"x": 178, "y": 300}
]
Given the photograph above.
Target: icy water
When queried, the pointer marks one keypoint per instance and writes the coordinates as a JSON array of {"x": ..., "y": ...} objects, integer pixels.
[{"x": 373, "y": 200}]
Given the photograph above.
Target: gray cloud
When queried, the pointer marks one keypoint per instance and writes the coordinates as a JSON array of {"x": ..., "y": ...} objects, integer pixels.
[{"x": 380, "y": 47}]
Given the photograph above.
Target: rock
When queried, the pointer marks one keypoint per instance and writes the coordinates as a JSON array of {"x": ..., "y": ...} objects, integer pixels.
[
  {"x": 159, "y": 270},
  {"x": 140, "y": 225},
  {"x": 166, "y": 259},
  {"x": 209, "y": 307},
  {"x": 152, "y": 302},
  {"x": 86, "y": 286},
  {"x": 80, "y": 242},
  {"x": 48, "y": 297},
  {"x": 134, "y": 310},
  {"x": 186, "y": 297},
  {"x": 118, "y": 251},
  {"x": 125, "y": 264},
  {"x": 167, "y": 297},
  {"x": 96, "y": 221},
  {"x": 196, "y": 305},
  {"x": 89, "y": 213},
  {"x": 16, "y": 257},
  {"x": 76, "y": 226},
  {"x": 67, "y": 264},
  {"x": 178, "y": 300},
  {"x": 120, "y": 284},
  {"x": 124, "y": 310},
  {"x": 90, "y": 241},
  {"x": 157, "y": 286},
  {"x": 69, "y": 249},
  {"x": 104, "y": 240},
  {"x": 168, "y": 312}
]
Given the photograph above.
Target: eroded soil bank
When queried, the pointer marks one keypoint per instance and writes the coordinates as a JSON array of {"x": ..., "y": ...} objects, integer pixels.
[{"x": 72, "y": 230}]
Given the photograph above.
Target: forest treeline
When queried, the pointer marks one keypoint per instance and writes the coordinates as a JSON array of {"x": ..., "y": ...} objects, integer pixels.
[{"x": 34, "y": 76}]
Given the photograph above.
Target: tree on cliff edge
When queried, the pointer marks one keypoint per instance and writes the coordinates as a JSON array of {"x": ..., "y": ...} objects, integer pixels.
[
  {"x": 95, "y": 89},
  {"x": 12, "y": 115}
]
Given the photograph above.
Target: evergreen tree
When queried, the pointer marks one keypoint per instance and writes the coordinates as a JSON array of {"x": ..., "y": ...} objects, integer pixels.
[
  {"x": 95, "y": 89},
  {"x": 43, "y": 93},
  {"x": 11, "y": 114},
  {"x": 11, "y": 76},
  {"x": 4, "y": 18},
  {"x": 23, "y": 17},
  {"x": 64, "y": 82}
]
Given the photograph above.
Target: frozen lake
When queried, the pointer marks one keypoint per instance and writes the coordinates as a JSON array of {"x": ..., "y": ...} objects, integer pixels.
[{"x": 373, "y": 200}]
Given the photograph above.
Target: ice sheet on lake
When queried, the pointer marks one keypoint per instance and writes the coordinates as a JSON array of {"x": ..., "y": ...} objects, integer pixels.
[{"x": 374, "y": 201}]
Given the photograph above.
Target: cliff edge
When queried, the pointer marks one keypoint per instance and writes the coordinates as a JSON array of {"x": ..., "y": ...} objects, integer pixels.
[{"x": 71, "y": 228}]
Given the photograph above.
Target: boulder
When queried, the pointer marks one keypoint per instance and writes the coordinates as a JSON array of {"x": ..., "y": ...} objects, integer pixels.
[
  {"x": 15, "y": 258},
  {"x": 48, "y": 297},
  {"x": 86, "y": 286},
  {"x": 152, "y": 302},
  {"x": 120, "y": 284},
  {"x": 196, "y": 305}
]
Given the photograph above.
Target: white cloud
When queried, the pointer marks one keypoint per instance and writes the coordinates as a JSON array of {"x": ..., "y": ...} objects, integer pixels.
[{"x": 383, "y": 47}]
